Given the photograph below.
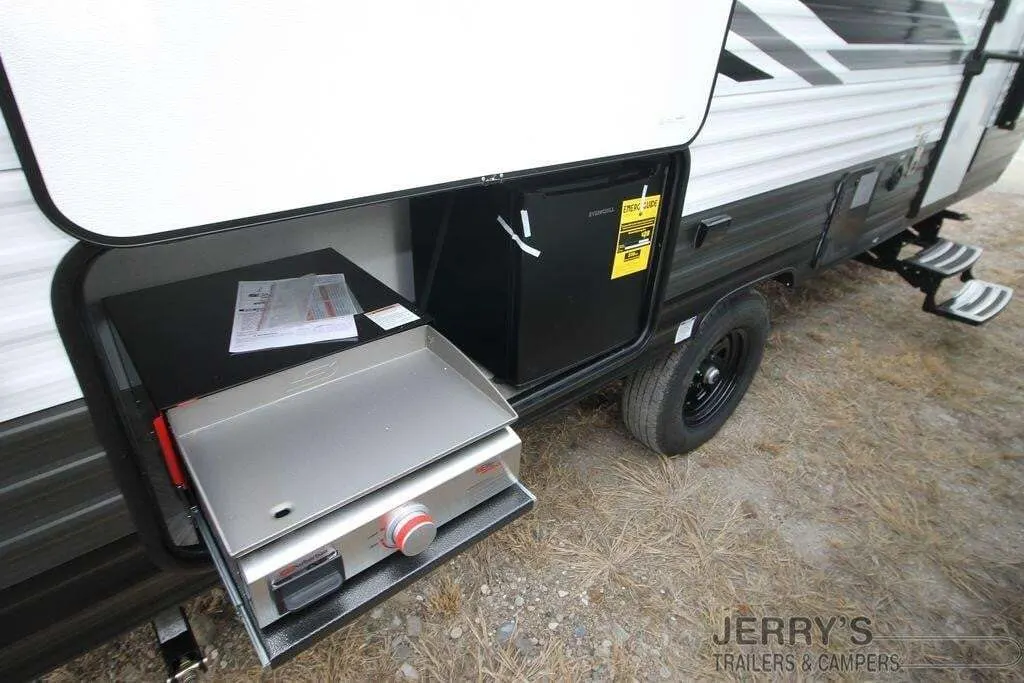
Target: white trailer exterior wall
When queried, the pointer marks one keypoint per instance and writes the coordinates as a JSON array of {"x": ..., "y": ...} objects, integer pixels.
[{"x": 35, "y": 372}]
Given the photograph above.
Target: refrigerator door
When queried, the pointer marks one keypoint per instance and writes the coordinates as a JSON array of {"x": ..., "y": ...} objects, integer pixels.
[{"x": 584, "y": 295}]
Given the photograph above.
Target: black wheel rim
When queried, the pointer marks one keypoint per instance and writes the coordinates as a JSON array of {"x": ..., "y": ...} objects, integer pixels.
[{"x": 714, "y": 383}]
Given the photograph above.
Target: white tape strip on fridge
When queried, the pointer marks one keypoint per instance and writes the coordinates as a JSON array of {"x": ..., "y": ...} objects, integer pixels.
[
  {"x": 515, "y": 238},
  {"x": 524, "y": 216}
]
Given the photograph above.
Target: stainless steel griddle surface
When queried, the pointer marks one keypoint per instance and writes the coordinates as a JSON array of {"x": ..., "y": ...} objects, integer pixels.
[{"x": 317, "y": 436}]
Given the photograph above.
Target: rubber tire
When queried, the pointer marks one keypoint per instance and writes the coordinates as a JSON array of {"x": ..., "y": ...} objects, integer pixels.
[{"x": 652, "y": 398}]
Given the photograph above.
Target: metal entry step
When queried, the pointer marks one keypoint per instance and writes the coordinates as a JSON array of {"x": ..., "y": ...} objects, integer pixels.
[
  {"x": 976, "y": 302},
  {"x": 946, "y": 258}
]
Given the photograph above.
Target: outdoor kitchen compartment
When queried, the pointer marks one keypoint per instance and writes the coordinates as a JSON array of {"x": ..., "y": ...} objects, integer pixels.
[{"x": 320, "y": 484}]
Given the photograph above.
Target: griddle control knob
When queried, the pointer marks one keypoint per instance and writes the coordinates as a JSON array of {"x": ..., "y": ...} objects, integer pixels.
[{"x": 410, "y": 529}]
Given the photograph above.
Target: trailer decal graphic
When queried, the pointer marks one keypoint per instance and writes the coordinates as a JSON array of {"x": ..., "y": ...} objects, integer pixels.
[
  {"x": 755, "y": 29},
  {"x": 636, "y": 232},
  {"x": 739, "y": 70},
  {"x": 893, "y": 27},
  {"x": 871, "y": 22}
]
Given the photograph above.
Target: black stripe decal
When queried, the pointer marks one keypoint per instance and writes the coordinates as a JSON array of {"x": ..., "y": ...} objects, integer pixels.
[
  {"x": 884, "y": 58},
  {"x": 780, "y": 48},
  {"x": 880, "y": 22},
  {"x": 739, "y": 69}
]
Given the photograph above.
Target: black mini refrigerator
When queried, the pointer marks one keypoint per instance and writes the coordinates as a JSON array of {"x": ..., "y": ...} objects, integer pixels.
[{"x": 531, "y": 280}]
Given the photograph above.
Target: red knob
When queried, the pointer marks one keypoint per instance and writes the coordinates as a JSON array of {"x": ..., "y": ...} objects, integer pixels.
[{"x": 410, "y": 529}]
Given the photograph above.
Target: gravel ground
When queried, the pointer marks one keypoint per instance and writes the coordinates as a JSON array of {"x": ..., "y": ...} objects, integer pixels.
[{"x": 874, "y": 471}]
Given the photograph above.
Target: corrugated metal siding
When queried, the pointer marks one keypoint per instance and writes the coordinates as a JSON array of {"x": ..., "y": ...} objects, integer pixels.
[
  {"x": 1001, "y": 97},
  {"x": 796, "y": 215},
  {"x": 788, "y": 124},
  {"x": 760, "y": 142},
  {"x": 58, "y": 498},
  {"x": 813, "y": 89},
  {"x": 35, "y": 372},
  {"x": 994, "y": 154},
  {"x": 761, "y": 226},
  {"x": 34, "y": 369}
]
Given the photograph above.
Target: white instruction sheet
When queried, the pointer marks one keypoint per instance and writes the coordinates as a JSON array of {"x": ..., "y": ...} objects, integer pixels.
[{"x": 305, "y": 310}]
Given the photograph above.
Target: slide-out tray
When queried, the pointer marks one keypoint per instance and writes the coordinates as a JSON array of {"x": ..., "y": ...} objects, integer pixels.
[
  {"x": 284, "y": 639},
  {"x": 270, "y": 455}
]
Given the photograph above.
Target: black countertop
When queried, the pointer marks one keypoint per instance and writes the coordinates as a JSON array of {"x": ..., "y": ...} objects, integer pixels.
[{"x": 177, "y": 335}]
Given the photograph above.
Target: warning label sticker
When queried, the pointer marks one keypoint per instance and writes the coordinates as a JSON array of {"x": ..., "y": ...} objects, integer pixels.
[{"x": 636, "y": 232}]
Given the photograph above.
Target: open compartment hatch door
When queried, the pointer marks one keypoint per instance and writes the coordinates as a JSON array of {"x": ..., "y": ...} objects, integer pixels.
[{"x": 145, "y": 120}]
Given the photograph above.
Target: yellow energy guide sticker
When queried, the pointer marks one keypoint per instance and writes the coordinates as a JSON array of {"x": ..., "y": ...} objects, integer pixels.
[{"x": 636, "y": 232}]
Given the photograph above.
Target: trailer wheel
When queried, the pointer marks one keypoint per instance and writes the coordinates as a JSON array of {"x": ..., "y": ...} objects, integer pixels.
[{"x": 680, "y": 401}]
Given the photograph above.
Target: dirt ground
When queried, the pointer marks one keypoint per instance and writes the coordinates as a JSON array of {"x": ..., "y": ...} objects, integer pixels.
[{"x": 874, "y": 470}]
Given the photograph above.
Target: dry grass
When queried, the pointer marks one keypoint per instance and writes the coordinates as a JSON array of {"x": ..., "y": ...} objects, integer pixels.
[
  {"x": 479, "y": 658},
  {"x": 876, "y": 468},
  {"x": 445, "y": 600}
]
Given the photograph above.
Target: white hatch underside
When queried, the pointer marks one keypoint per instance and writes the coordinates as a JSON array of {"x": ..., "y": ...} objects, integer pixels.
[{"x": 144, "y": 115}]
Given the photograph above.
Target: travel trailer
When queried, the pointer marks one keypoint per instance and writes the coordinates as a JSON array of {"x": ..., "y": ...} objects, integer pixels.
[{"x": 504, "y": 208}]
